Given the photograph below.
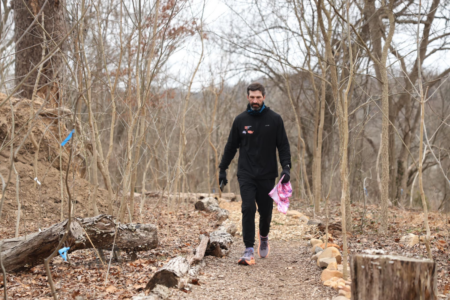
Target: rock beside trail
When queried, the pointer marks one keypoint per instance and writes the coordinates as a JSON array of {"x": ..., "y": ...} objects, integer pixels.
[
  {"x": 346, "y": 288},
  {"x": 297, "y": 215},
  {"x": 144, "y": 297},
  {"x": 314, "y": 222},
  {"x": 315, "y": 256},
  {"x": 409, "y": 240},
  {"x": 324, "y": 262},
  {"x": 158, "y": 293},
  {"x": 328, "y": 274},
  {"x": 339, "y": 298},
  {"x": 328, "y": 237},
  {"x": 330, "y": 260},
  {"x": 292, "y": 213},
  {"x": 333, "y": 266},
  {"x": 315, "y": 242},
  {"x": 329, "y": 253},
  {"x": 335, "y": 282},
  {"x": 346, "y": 294},
  {"x": 329, "y": 245}
]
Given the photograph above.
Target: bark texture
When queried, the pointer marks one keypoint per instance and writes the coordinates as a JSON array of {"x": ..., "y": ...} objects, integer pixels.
[
  {"x": 101, "y": 229},
  {"x": 220, "y": 242},
  {"x": 179, "y": 270},
  {"x": 28, "y": 45},
  {"x": 211, "y": 205},
  {"x": 170, "y": 274},
  {"x": 390, "y": 277},
  {"x": 200, "y": 251}
]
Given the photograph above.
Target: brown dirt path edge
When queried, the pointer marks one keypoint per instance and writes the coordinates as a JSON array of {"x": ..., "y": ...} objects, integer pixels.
[{"x": 287, "y": 273}]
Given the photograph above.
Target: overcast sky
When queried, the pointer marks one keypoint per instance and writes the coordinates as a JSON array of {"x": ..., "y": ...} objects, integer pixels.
[{"x": 218, "y": 16}]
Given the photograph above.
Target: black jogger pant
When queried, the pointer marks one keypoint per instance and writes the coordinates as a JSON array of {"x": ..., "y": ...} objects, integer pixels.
[{"x": 254, "y": 192}]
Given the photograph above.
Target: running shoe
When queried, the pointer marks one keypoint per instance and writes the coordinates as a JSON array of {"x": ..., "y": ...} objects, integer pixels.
[
  {"x": 263, "y": 248},
  {"x": 248, "y": 258}
]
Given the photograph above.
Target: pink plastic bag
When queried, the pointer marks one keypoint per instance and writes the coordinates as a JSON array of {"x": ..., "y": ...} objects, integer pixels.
[{"x": 280, "y": 194}]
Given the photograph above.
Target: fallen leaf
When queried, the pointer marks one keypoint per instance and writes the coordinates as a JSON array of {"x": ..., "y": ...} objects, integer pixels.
[{"x": 139, "y": 287}]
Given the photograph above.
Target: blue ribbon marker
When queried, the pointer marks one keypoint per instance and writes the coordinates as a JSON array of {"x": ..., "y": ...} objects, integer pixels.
[
  {"x": 63, "y": 252},
  {"x": 68, "y": 138},
  {"x": 365, "y": 190}
]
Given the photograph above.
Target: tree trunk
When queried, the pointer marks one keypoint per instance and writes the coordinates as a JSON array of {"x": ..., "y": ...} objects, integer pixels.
[
  {"x": 390, "y": 277},
  {"x": 28, "y": 45},
  {"x": 100, "y": 230}
]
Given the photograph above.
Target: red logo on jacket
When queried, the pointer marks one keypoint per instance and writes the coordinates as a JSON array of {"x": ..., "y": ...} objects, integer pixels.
[{"x": 248, "y": 131}]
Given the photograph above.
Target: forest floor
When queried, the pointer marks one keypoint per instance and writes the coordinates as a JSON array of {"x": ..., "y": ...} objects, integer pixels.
[{"x": 288, "y": 273}]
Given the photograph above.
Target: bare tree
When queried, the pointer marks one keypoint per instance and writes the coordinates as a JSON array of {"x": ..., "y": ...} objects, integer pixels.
[{"x": 28, "y": 37}]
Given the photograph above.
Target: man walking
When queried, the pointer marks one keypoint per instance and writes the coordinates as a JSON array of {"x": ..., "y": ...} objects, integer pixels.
[{"x": 257, "y": 132}]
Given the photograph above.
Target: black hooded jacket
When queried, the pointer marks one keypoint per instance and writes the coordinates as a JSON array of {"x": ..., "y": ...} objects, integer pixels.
[{"x": 257, "y": 136}]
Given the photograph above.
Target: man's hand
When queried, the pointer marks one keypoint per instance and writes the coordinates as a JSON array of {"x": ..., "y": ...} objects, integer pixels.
[
  {"x": 222, "y": 178},
  {"x": 286, "y": 173}
]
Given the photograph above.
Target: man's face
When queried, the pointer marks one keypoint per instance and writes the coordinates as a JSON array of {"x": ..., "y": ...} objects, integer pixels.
[{"x": 255, "y": 98}]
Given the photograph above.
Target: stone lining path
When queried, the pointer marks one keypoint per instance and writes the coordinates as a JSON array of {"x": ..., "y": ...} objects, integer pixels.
[{"x": 288, "y": 273}]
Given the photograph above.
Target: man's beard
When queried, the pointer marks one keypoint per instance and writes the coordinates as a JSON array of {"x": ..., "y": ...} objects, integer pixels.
[{"x": 256, "y": 106}]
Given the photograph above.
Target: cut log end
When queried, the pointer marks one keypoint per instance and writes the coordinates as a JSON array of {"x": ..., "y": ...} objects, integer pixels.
[
  {"x": 392, "y": 277},
  {"x": 170, "y": 274},
  {"x": 165, "y": 277},
  {"x": 219, "y": 243}
]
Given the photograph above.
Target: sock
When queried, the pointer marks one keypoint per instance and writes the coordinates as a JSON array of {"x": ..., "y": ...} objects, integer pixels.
[
  {"x": 250, "y": 248},
  {"x": 264, "y": 237}
]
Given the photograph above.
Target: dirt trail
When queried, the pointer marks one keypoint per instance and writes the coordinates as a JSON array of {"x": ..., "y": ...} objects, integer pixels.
[{"x": 288, "y": 273}]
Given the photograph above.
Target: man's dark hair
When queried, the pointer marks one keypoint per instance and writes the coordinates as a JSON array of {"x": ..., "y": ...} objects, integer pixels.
[{"x": 256, "y": 87}]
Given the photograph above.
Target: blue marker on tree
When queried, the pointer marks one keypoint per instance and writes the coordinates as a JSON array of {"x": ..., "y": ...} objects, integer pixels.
[{"x": 68, "y": 138}]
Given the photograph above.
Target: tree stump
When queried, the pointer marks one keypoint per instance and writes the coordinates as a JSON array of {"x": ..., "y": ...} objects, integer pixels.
[{"x": 388, "y": 277}]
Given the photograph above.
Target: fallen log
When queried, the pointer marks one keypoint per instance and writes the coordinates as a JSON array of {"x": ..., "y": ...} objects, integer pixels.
[
  {"x": 229, "y": 227},
  {"x": 211, "y": 205},
  {"x": 100, "y": 229},
  {"x": 9, "y": 243},
  {"x": 170, "y": 274},
  {"x": 220, "y": 242},
  {"x": 190, "y": 197},
  {"x": 390, "y": 277},
  {"x": 130, "y": 237},
  {"x": 229, "y": 196},
  {"x": 200, "y": 251},
  {"x": 179, "y": 271},
  {"x": 207, "y": 204}
]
